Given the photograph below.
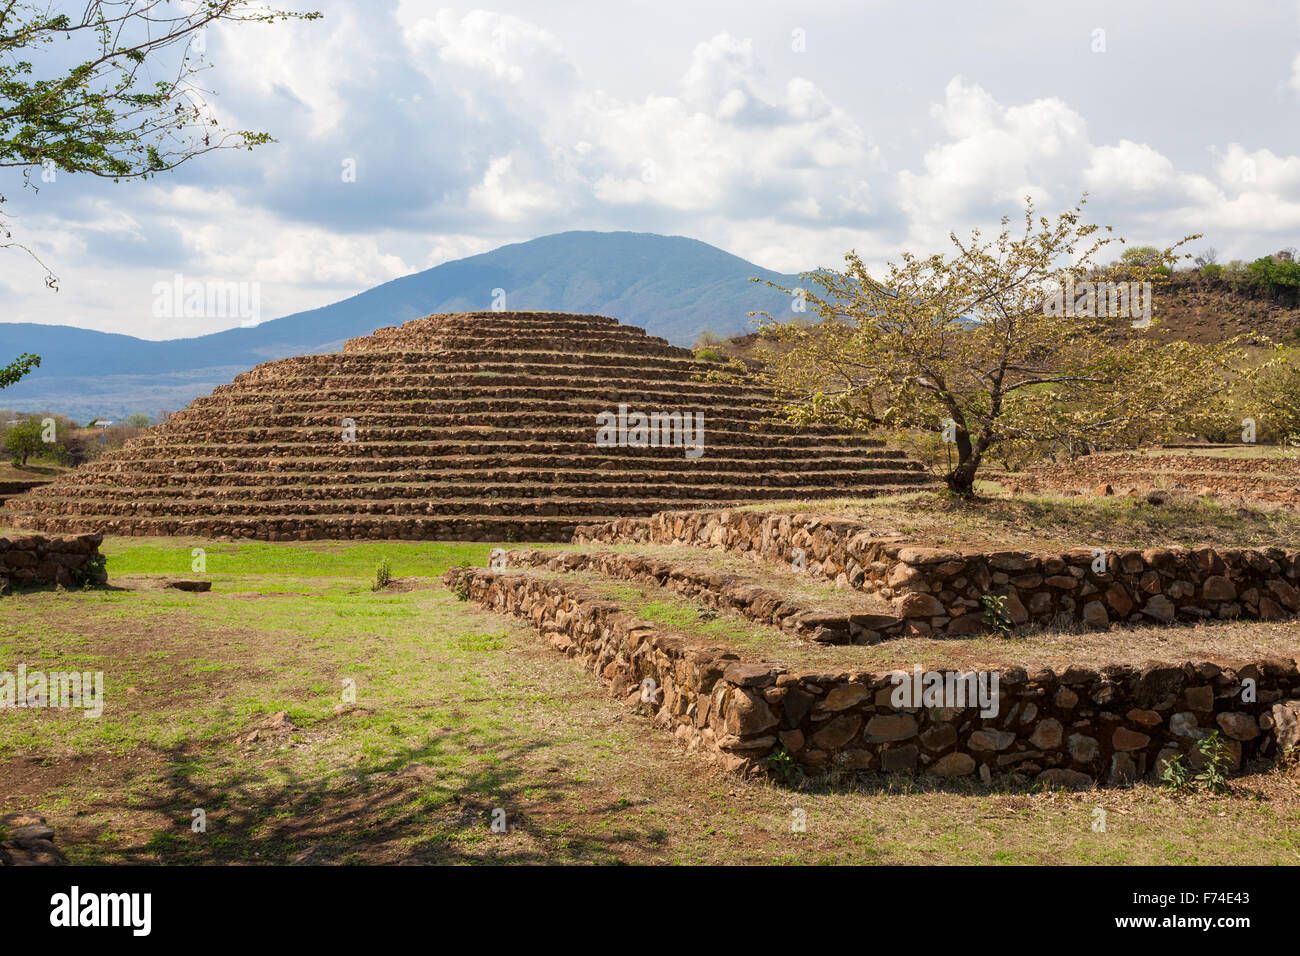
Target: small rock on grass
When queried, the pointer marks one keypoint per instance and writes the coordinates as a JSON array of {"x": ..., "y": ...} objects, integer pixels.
[
  {"x": 186, "y": 585},
  {"x": 29, "y": 841}
]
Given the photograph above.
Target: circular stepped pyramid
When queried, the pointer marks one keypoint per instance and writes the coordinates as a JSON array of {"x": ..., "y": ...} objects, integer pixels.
[{"x": 472, "y": 426}]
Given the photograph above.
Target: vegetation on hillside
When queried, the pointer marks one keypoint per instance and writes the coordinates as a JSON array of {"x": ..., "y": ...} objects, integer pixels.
[
  {"x": 1275, "y": 277},
  {"x": 57, "y": 439},
  {"x": 1254, "y": 388}
]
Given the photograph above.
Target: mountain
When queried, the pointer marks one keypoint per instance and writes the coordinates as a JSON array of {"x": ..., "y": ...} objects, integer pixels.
[{"x": 671, "y": 286}]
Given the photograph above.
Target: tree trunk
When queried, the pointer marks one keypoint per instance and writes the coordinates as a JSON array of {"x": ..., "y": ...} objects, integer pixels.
[{"x": 961, "y": 480}]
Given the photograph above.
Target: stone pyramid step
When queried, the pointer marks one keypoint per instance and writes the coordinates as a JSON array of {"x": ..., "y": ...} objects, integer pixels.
[
  {"x": 312, "y": 473},
  {"x": 472, "y": 425},
  {"x": 476, "y": 485}
]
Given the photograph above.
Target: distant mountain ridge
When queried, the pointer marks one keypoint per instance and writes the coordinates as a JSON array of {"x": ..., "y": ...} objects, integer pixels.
[{"x": 671, "y": 286}]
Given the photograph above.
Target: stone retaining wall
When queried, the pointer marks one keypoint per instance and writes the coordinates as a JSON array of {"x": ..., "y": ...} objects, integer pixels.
[
  {"x": 9, "y": 489},
  {"x": 35, "y": 560},
  {"x": 1074, "y": 727},
  {"x": 941, "y": 591},
  {"x": 1260, "y": 479},
  {"x": 727, "y": 592}
]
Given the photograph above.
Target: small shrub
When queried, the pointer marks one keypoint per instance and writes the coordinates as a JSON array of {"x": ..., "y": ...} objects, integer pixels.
[
  {"x": 996, "y": 614},
  {"x": 1176, "y": 776},
  {"x": 462, "y": 588},
  {"x": 383, "y": 576},
  {"x": 783, "y": 766},
  {"x": 1213, "y": 777},
  {"x": 1218, "y": 758},
  {"x": 708, "y": 355}
]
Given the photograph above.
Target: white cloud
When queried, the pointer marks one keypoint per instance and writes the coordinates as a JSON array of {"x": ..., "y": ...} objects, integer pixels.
[
  {"x": 314, "y": 63},
  {"x": 719, "y": 140},
  {"x": 995, "y": 155},
  {"x": 471, "y": 128},
  {"x": 508, "y": 195},
  {"x": 500, "y": 46}
]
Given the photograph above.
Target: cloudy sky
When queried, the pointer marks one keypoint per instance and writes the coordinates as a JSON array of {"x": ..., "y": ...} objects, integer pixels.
[{"x": 786, "y": 134}]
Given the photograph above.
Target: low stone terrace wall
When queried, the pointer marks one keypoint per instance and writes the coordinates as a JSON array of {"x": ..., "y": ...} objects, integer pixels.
[
  {"x": 34, "y": 560},
  {"x": 727, "y": 592},
  {"x": 1074, "y": 727},
  {"x": 940, "y": 591}
]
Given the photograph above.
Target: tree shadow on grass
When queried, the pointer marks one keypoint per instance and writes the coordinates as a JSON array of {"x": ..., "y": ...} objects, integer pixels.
[{"x": 431, "y": 804}]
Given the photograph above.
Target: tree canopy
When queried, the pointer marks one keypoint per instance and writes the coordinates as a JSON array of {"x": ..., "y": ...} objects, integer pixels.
[
  {"x": 967, "y": 351},
  {"x": 111, "y": 89},
  {"x": 18, "y": 368}
]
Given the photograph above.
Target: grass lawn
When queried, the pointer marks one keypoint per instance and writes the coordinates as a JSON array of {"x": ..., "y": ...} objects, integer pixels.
[{"x": 459, "y": 713}]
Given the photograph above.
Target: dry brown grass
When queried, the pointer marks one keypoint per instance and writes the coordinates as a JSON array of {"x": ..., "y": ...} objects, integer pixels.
[{"x": 998, "y": 521}]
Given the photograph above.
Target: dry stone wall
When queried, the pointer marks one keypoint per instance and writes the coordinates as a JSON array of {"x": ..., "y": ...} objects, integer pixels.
[
  {"x": 1275, "y": 480},
  {"x": 723, "y": 591},
  {"x": 35, "y": 560},
  {"x": 472, "y": 426},
  {"x": 940, "y": 591},
  {"x": 1075, "y": 726},
  {"x": 9, "y": 489}
]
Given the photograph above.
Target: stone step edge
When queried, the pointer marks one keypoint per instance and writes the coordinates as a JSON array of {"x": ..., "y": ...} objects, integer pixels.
[
  {"x": 312, "y": 505},
  {"x": 225, "y": 496},
  {"x": 203, "y": 467},
  {"x": 493, "y": 475},
  {"x": 942, "y": 591},
  {"x": 724, "y": 591},
  {"x": 478, "y": 528},
  {"x": 741, "y": 713}
]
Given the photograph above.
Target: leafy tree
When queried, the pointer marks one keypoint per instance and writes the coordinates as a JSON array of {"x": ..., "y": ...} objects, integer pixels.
[
  {"x": 137, "y": 420},
  {"x": 1141, "y": 255},
  {"x": 1275, "y": 398},
  {"x": 18, "y": 368},
  {"x": 115, "y": 93},
  {"x": 24, "y": 440},
  {"x": 1278, "y": 276},
  {"x": 965, "y": 349}
]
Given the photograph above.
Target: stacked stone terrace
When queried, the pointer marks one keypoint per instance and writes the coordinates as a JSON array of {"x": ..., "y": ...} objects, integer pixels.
[
  {"x": 1275, "y": 480},
  {"x": 789, "y": 690},
  {"x": 471, "y": 426}
]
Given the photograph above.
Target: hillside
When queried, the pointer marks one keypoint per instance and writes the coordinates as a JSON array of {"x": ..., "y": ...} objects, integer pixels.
[
  {"x": 1207, "y": 314},
  {"x": 672, "y": 286}
]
